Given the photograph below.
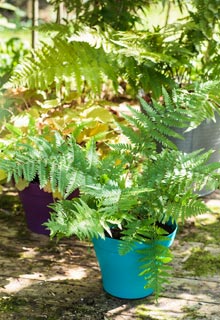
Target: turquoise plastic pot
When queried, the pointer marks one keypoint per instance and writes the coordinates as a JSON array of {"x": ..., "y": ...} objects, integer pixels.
[{"x": 120, "y": 273}]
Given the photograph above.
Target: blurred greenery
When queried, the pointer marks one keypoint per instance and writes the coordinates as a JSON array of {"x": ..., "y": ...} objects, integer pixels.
[{"x": 143, "y": 46}]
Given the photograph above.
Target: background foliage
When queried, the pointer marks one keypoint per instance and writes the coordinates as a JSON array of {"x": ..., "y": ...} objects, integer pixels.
[{"x": 101, "y": 57}]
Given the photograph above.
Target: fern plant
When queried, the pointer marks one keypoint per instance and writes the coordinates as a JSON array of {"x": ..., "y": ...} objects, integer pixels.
[
  {"x": 167, "y": 115},
  {"x": 59, "y": 165},
  {"x": 133, "y": 187},
  {"x": 65, "y": 64},
  {"x": 137, "y": 190},
  {"x": 78, "y": 63},
  {"x": 78, "y": 56}
]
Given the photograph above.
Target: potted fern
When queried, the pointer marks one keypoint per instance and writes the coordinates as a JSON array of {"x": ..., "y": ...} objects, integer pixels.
[
  {"x": 29, "y": 145},
  {"x": 37, "y": 168},
  {"x": 134, "y": 197}
]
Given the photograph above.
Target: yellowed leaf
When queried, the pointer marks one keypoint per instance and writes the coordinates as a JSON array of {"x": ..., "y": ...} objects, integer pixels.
[
  {"x": 47, "y": 188},
  {"x": 3, "y": 175},
  {"x": 97, "y": 129},
  {"x": 98, "y": 113},
  {"x": 48, "y": 104},
  {"x": 33, "y": 111},
  {"x": 57, "y": 195},
  {"x": 21, "y": 184},
  {"x": 117, "y": 162}
]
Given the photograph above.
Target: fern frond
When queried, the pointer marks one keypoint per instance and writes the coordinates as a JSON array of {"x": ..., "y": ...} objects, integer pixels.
[
  {"x": 91, "y": 153},
  {"x": 42, "y": 173},
  {"x": 148, "y": 130},
  {"x": 75, "y": 217},
  {"x": 153, "y": 123},
  {"x": 181, "y": 211},
  {"x": 154, "y": 259},
  {"x": 63, "y": 62},
  {"x": 53, "y": 175},
  {"x": 29, "y": 171},
  {"x": 62, "y": 163},
  {"x": 76, "y": 179},
  {"x": 137, "y": 140},
  {"x": 126, "y": 246},
  {"x": 51, "y": 27},
  {"x": 200, "y": 100}
]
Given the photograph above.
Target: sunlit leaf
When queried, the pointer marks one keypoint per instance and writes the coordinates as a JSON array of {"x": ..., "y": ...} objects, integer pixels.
[{"x": 21, "y": 184}]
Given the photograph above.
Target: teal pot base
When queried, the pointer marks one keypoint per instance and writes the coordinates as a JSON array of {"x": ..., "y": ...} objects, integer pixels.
[
  {"x": 124, "y": 296},
  {"x": 120, "y": 273}
]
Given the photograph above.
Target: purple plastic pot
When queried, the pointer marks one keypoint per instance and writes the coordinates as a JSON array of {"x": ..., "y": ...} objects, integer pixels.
[{"x": 35, "y": 202}]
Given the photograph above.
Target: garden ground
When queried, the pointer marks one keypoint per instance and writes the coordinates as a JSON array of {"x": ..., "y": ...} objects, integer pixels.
[{"x": 42, "y": 279}]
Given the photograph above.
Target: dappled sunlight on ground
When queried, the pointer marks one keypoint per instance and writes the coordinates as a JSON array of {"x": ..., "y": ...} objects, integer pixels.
[{"x": 15, "y": 285}]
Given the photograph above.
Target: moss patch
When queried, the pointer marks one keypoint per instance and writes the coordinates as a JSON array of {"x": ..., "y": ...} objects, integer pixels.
[
  {"x": 12, "y": 303},
  {"x": 207, "y": 234},
  {"x": 205, "y": 230},
  {"x": 192, "y": 313},
  {"x": 143, "y": 313},
  {"x": 202, "y": 262}
]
